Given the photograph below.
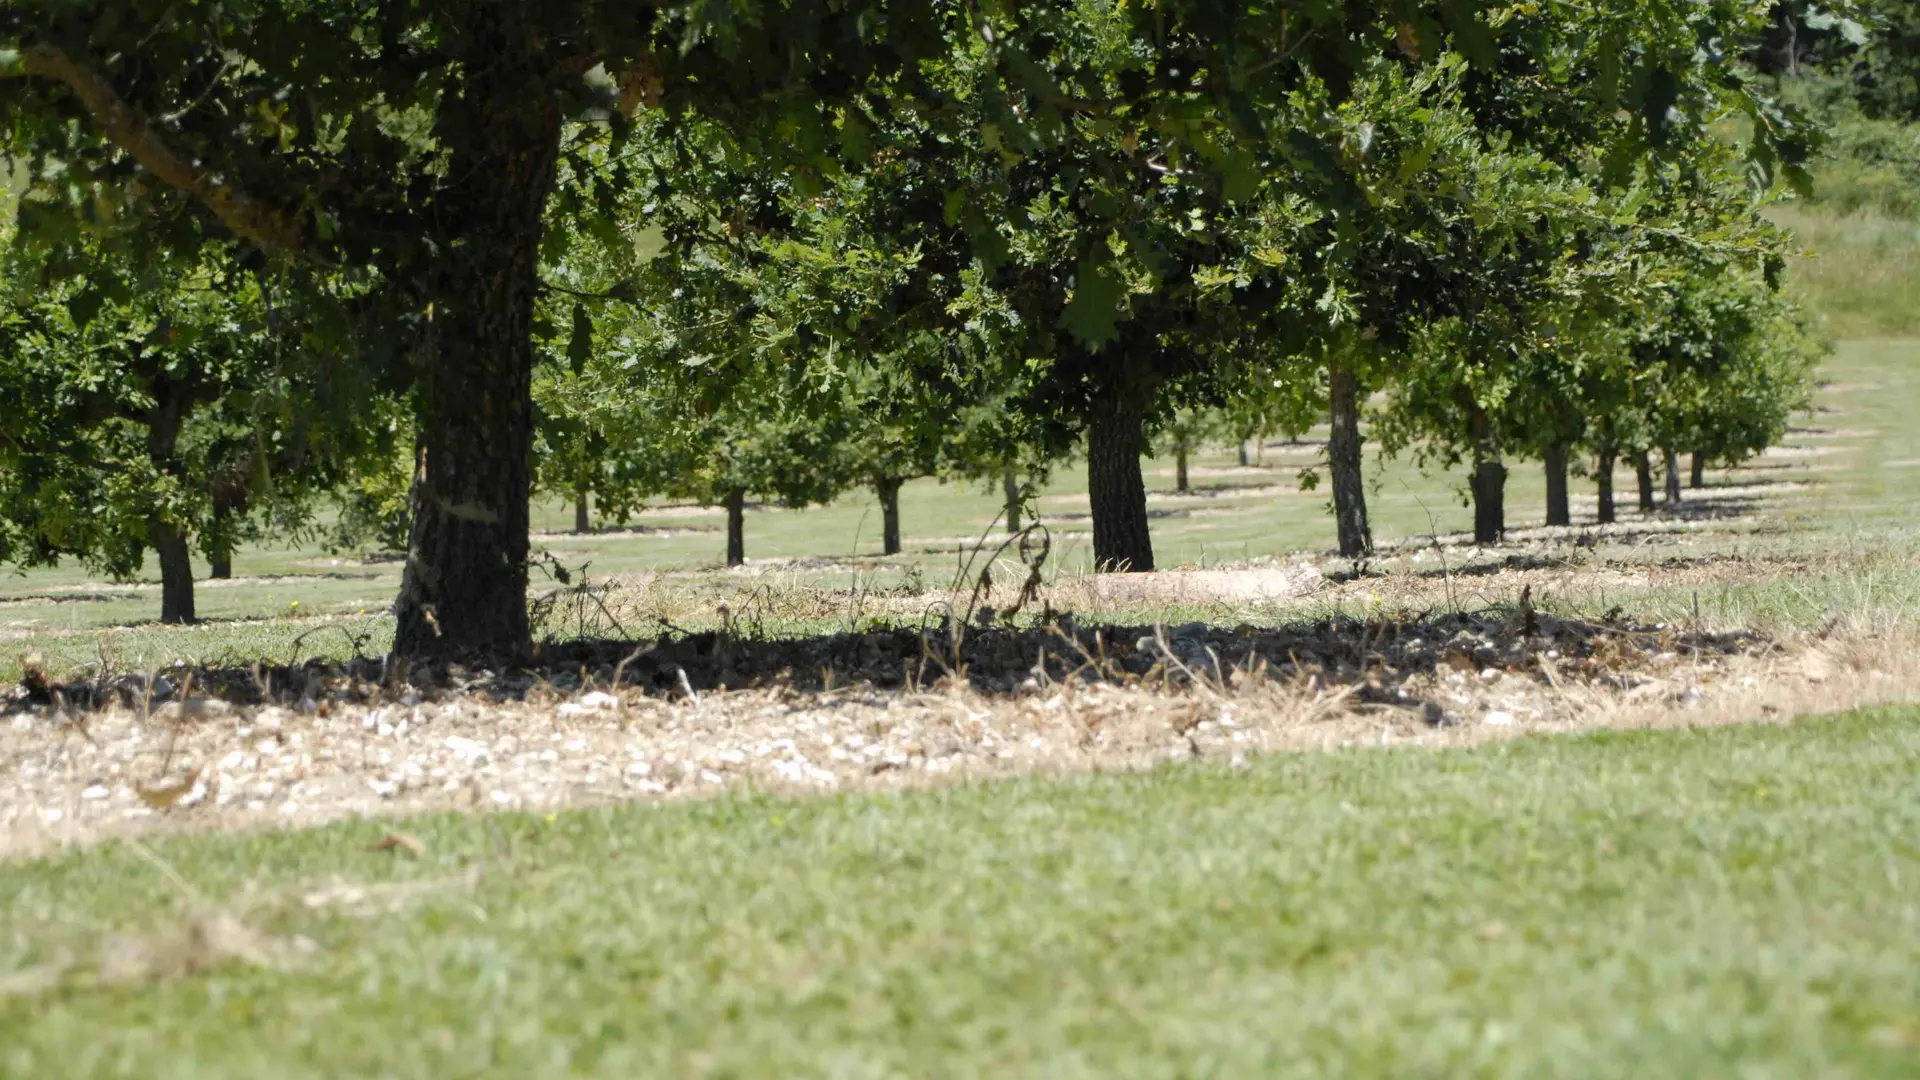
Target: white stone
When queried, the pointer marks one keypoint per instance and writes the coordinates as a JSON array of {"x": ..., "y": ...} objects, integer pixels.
[
  {"x": 466, "y": 749},
  {"x": 97, "y": 791},
  {"x": 1497, "y": 718}
]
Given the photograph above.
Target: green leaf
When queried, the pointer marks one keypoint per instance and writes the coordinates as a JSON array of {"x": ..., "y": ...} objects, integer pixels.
[
  {"x": 580, "y": 344},
  {"x": 82, "y": 308},
  {"x": 1093, "y": 315}
]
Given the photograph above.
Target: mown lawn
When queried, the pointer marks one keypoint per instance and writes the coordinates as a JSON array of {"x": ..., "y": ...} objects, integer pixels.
[{"x": 1728, "y": 902}]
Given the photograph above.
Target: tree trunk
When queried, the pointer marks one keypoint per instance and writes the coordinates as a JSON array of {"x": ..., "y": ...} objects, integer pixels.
[
  {"x": 1489, "y": 486},
  {"x": 889, "y": 490},
  {"x": 1699, "y": 470},
  {"x": 736, "y": 527},
  {"x": 1011, "y": 489},
  {"x": 1488, "y": 483},
  {"x": 1345, "y": 462},
  {"x": 176, "y": 571},
  {"x": 1243, "y": 453},
  {"x": 1603, "y": 481},
  {"x": 1672, "y": 463},
  {"x": 464, "y": 591},
  {"x": 1180, "y": 468},
  {"x": 1643, "y": 472},
  {"x": 219, "y": 542},
  {"x": 171, "y": 400},
  {"x": 1115, "y": 440},
  {"x": 1559, "y": 508},
  {"x": 582, "y": 518}
]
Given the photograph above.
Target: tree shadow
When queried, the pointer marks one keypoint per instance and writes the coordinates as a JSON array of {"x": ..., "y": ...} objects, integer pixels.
[{"x": 1368, "y": 658}]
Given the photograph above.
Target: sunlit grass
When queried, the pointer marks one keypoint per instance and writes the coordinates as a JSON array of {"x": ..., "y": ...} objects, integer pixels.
[{"x": 1730, "y": 901}]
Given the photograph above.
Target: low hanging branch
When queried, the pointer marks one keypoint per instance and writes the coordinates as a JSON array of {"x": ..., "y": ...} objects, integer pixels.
[{"x": 250, "y": 218}]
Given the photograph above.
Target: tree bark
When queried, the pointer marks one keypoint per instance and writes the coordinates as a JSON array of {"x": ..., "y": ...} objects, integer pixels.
[
  {"x": 171, "y": 400},
  {"x": 889, "y": 490},
  {"x": 1345, "y": 462},
  {"x": 176, "y": 571},
  {"x": 1643, "y": 472},
  {"x": 1010, "y": 487},
  {"x": 1115, "y": 441},
  {"x": 1699, "y": 470},
  {"x": 1488, "y": 482},
  {"x": 1673, "y": 474},
  {"x": 464, "y": 591},
  {"x": 1603, "y": 481},
  {"x": 582, "y": 513},
  {"x": 1489, "y": 486},
  {"x": 1243, "y": 453},
  {"x": 1180, "y": 468},
  {"x": 1559, "y": 506},
  {"x": 219, "y": 543},
  {"x": 736, "y": 527}
]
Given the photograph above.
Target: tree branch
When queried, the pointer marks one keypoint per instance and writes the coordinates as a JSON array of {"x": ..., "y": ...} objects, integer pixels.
[{"x": 248, "y": 217}]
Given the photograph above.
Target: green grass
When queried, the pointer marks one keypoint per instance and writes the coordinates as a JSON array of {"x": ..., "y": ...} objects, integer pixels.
[
  {"x": 1717, "y": 902},
  {"x": 1862, "y": 273}
]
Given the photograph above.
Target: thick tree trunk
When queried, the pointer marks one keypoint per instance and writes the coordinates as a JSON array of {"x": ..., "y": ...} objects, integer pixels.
[
  {"x": 1673, "y": 474},
  {"x": 1010, "y": 488},
  {"x": 176, "y": 571},
  {"x": 1488, "y": 482},
  {"x": 1603, "y": 482},
  {"x": 1180, "y": 469},
  {"x": 1115, "y": 440},
  {"x": 464, "y": 591},
  {"x": 736, "y": 527},
  {"x": 1699, "y": 470},
  {"x": 582, "y": 513},
  {"x": 1345, "y": 459},
  {"x": 1559, "y": 506},
  {"x": 889, "y": 491},
  {"x": 1643, "y": 473}
]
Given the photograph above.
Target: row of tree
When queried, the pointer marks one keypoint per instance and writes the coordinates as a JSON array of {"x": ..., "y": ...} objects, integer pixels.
[{"x": 415, "y": 257}]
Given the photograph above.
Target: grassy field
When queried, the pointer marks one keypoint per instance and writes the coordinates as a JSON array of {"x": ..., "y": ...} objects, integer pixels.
[{"x": 1720, "y": 902}]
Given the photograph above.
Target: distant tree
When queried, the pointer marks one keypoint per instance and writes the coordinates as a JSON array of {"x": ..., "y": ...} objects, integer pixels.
[{"x": 153, "y": 403}]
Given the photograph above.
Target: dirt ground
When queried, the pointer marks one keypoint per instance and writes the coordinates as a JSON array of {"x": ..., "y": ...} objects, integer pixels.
[{"x": 1069, "y": 701}]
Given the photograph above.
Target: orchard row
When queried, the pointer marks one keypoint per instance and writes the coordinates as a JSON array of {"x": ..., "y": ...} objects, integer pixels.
[{"x": 414, "y": 262}]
